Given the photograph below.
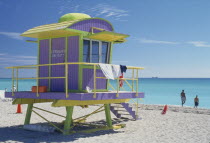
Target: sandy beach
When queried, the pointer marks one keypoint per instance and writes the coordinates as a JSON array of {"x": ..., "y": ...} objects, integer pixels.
[{"x": 178, "y": 125}]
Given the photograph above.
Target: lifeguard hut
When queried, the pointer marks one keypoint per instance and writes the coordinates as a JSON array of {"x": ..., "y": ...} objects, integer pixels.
[{"x": 68, "y": 71}]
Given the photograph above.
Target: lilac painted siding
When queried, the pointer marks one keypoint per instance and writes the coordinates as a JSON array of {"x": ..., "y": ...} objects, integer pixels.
[
  {"x": 86, "y": 25},
  {"x": 58, "y": 56},
  {"x": 73, "y": 56},
  {"x": 88, "y": 79},
  {"x": 44, "y": 59}
]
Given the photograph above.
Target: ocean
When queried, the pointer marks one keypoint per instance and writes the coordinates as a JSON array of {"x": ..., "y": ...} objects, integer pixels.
[{"x": 157, "y": 90}]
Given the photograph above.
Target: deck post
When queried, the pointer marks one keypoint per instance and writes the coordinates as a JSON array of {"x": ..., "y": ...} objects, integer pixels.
[
  {"x": 68, "y": 122},
  {"x": 28, "y": 114},
  {"x": 108, "y": 115}
]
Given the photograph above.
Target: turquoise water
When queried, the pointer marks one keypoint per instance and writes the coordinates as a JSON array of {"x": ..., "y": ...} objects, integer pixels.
[
  {"x": 157, "y": 90},
  {"x": 24, "y": 85},
  {"x": 167, "y": 90}
]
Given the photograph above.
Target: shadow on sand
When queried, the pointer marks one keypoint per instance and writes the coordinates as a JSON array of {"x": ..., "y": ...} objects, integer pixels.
[{"x": 18, "y": 134}]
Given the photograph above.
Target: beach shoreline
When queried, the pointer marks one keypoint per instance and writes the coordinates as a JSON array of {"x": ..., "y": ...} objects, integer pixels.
[{"x": 176, "y": 108}]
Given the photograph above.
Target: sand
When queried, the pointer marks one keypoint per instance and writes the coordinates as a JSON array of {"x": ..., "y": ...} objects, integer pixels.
[{"x": 178, "y": 125}]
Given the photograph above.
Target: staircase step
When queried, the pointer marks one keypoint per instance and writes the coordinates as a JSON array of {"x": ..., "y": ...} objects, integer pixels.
[
  {"x": 124, "y": 118},
  {"x": 125, "y": 114},
  {"x": 129, "y": 109},
  {"x": 117, "y": 106},
  {"x": 123, "y": 109}
]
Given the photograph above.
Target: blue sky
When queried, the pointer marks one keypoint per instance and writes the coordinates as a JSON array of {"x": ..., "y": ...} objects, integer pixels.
[{"x": 168, "y": 38}]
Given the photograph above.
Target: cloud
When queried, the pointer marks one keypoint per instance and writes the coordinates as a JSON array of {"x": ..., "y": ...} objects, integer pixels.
[
  {"x": 13, "y": 35},
  {"x": 22, "y": 61},
  {"x": 2, "y": 54},
  {"x": 18, "y": 60},
  {"x": 199, "y": 43},
  {"x": 105, "y": 10},
  {"x": 99, "y": 10},
  {"x": 143, "y": 40},
  {"x": 26, "y": 57}
]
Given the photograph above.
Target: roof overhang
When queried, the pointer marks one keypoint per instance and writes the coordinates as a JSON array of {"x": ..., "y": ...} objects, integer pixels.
[
  {"x": 52, "y": 33},
  {"x": 108, "y": 36},
  {"x": 50, "y": 30},
  {"x": 56, "y": 29}
]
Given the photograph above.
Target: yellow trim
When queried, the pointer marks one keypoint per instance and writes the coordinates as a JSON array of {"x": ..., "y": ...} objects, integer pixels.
[
  {"x": 111, "y": 85},
  {"x": 56, "y": 29},
  {"x": 58, "y": 103},
  {"x": 49, "y": 34},
  {"x": 52, "y": 37},
  {"x": 132, "y": 80},
  {"x": 12, "y": 82},
  {"x": 94, "y": 96},
  {"x": 137, "y": 76},
  {"x": 17, "y": 79},
  {"x": 66, "y": 77},
  {"x": 30, "y": 101},
  {"x": 128, "y": 83},
  {"x": 120, "y": 78},
  {"x": 92, "y": 29},
  {"x": 49, "y": 122},
  {"x": 48, "y": 27},
  {"x": 50, "y": 61},
  {"x": 77, "y": 63},
  {"x": 42, "y": 78},
  {"x": 37, "y": 82},
  {"x": 107, "y": 36},
  {"x": 31, "y": 41}
]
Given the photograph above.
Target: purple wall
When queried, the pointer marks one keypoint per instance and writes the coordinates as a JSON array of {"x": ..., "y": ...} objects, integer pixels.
[
  {"x": 86, "y": 25},
  {"x": 73, "y": 56},
  {"x": 88, "y": 79},
  {"x": 88, "y": 73},
  {"x": 44, "y": 59},
  {"x": 58, "y": 56}
]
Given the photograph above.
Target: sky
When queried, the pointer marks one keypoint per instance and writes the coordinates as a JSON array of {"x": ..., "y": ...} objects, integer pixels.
[{"x": 167, "y": 38}]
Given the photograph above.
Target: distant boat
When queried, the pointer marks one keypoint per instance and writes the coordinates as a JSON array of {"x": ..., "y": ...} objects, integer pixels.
[{"x": 154, "y": 77}]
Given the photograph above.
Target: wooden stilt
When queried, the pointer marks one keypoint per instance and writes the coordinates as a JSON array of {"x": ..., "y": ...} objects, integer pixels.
[
  {"x": 108, "y": 115},
  {"x": 69, "y": 120},
  {"x": 28, "y": 114}
]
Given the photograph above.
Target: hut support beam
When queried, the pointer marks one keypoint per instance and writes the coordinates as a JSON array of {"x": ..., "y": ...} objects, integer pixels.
[
  {"x": 108, "y": 115},
  {"x": 68, "y": 122},
  {"x": 28, "y": 114}
]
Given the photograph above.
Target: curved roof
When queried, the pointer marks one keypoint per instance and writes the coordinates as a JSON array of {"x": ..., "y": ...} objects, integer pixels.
[
  {"x": 73, "y": 16},
  {"x": 55, "y": 29}
]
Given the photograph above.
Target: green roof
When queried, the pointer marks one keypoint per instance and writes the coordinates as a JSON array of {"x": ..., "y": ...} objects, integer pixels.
[{"x": 73, "y": 16}]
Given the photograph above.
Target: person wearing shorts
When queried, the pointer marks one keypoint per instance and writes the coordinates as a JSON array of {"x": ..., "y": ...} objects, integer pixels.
[
  {"x": 196, "y": 101},
  {"x": 183, "y": 97}
]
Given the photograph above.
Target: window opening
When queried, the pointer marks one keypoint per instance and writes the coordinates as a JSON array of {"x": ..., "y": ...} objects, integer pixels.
[{"x": 95, "y": 51}]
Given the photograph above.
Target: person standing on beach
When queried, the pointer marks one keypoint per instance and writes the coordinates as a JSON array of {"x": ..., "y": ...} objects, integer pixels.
[
  {"x": 196, "y": 101},
  {"x": 183, "y": 97}
]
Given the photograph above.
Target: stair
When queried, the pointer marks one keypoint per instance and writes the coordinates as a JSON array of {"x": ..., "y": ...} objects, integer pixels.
[{"x": 123, "y": 109}]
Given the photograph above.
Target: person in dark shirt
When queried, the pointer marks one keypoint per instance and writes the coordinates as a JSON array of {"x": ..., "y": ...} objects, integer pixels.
[
  {"x": 196, "y": 101},
  {"x": 183, "y": 97}
]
